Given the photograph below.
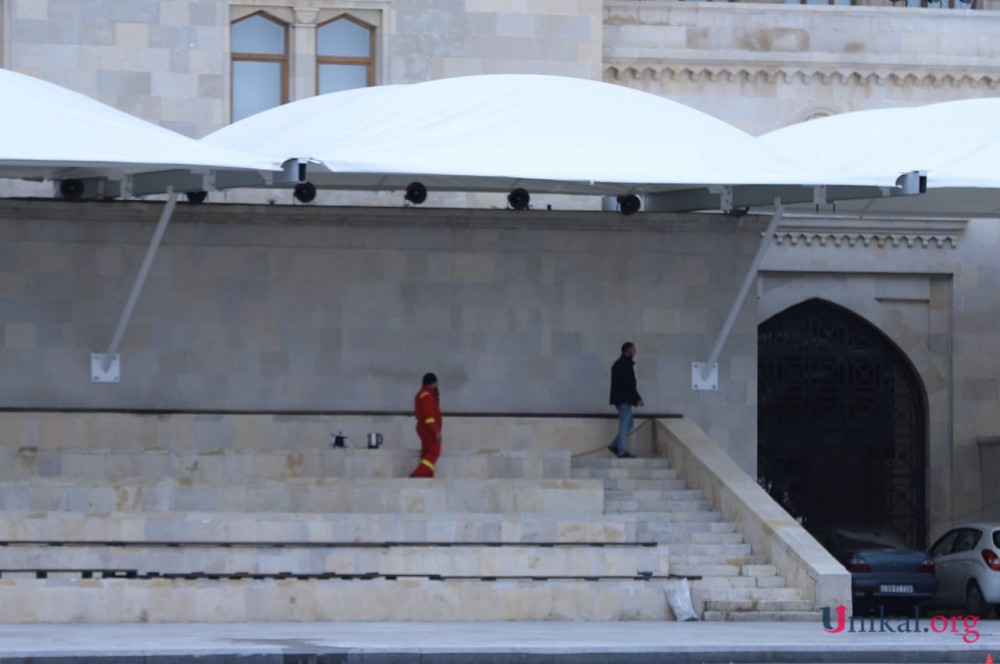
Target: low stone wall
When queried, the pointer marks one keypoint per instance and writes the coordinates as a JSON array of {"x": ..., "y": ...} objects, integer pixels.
[
  {"x": 26, "y": 432},
  {"x": 771, "y": 531}
]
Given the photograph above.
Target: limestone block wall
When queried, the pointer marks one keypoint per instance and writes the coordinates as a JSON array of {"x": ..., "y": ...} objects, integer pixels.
[
  {"x": 444, "y": 38},
  {"x": 273, "y": 308},
  {"x": 787, "y": 63}
]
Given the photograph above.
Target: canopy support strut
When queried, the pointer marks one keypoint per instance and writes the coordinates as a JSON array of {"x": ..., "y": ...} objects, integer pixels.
[
  {"x": 705, "y": 375},
  {"x": 106, "y": 367}
]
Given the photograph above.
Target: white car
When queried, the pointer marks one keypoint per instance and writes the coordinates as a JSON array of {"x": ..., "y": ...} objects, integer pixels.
[{"x": 967, "y": 563}]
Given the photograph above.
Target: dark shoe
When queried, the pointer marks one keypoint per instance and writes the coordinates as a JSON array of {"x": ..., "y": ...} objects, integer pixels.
[{"x": 611, "y": 448}]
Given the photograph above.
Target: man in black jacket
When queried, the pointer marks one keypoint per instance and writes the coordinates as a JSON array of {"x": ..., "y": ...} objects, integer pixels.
[{"x": 624, "y": 396}]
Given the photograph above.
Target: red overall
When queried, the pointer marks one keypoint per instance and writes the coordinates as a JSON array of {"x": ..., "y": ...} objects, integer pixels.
[{"x": 427, "y": 410}]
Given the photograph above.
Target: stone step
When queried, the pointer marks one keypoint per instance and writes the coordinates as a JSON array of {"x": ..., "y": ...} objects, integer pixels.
[
  {"x": 704, "y": 569},
  {"x": 762, "y": 616},
  {"x": 669, "y": 514},
  {"x": 671, "y": 495},
  {"x": 677, "y": 533},
  {"x": 766, "y": 605},
  {"x": 396, "y": 495},
  {"x": 776, "y": 581},
  {"x": 711, "y": 550},
  {"x": 301, "y": 527},
  {"x": 629, "y": 464},
  {"x": 716, "y": 538},
  {"x": 666, "y": 505},
  {"x": 667, "y": 491},
  {"x": 759, "y": 569},
  {"x": 74, "y": 600},
  {"x": 739, "y": 561},
  {"x": 679, "y": 506},
  {"x": 222, "y": 466},
  {"x": 684, "y": 532},
  {"x": 653, "y": 522},
  {"x": 710, "y": 584},
  {"x": 624, "y": 474},
  {"x": 641, "y": 485},
  {"x": 458, "y": 560},
  {"x": 745, "y": 594}
]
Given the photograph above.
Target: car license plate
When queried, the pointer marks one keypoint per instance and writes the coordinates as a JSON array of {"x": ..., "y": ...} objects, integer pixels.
[{"x": 892, "y": 588}]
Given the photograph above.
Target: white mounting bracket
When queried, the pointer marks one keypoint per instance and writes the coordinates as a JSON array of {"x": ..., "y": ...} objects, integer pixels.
[
  {"x": 819, "y": 195},
  {"x": 98, "y": 374},
  {"x": 704, "y": 377}
]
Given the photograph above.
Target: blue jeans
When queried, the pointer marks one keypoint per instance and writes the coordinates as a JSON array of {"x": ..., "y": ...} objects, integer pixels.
[{"x": 624, "y": 427}]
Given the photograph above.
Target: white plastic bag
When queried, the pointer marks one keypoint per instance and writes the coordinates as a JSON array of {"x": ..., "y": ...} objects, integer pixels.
[{"x": 679, "y": 598}]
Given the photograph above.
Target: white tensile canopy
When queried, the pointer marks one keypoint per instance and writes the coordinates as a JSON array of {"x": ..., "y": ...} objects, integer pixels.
[
  {"x": 542, "y": 133},
  {"x": 52, "y": 133},
  {"x": 956, "y": 143}
]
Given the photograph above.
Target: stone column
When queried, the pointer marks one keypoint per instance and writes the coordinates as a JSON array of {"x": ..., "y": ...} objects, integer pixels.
[{"x": 302, "y": 68}]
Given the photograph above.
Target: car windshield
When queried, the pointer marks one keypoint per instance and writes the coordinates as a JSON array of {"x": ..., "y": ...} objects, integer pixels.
[{"x": 858, "y": 539}]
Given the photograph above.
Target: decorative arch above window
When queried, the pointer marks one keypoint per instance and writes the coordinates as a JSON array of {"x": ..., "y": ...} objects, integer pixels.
[
  {"x": 259, "y": 64},
  {"x": 345, "y": 49}
]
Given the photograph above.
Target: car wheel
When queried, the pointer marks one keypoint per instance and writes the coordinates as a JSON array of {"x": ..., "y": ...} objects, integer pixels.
[{"x": 975, "y": 604}]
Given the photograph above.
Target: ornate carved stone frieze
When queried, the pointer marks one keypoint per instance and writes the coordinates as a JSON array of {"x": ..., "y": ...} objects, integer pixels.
[
  {"x": 768, "y": 73},
  {"x": 870, "y": 233}
]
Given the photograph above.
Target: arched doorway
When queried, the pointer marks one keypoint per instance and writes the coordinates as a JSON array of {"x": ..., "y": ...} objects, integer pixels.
[{"x": 841, "y": 434}]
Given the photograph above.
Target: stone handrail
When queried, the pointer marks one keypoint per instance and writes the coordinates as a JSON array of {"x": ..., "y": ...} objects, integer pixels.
[{"x": 768, "y": 528}]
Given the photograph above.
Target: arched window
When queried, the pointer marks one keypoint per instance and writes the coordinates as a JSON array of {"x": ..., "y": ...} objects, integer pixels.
[
  {"x": 345, "y": 50},
  {"x": 260, "y": 64}
]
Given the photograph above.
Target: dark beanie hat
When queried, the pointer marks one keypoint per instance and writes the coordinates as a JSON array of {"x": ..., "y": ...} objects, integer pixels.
[{"x": 430, "y": 379}]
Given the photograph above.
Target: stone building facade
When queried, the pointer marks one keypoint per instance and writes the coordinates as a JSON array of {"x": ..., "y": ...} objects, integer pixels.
[{"x": 536, "y": 307}]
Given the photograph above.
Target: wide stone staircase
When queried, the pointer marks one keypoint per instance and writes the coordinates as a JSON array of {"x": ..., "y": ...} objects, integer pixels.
[
  {"x": 120, "y": 528},
  {"x": 728, "y": 580}
]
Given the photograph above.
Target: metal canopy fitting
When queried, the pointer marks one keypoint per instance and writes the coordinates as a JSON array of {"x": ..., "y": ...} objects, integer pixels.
[
  {"x": 705, "y": 375},
  {"x": 730, "y": 198},
  {"x": 106, "y": 367}
]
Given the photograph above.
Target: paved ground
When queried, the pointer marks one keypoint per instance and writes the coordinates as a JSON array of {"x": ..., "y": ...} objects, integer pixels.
[{"x": 488, "y": 643}]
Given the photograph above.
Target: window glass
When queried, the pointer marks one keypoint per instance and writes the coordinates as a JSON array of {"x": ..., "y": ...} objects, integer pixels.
[
  {"x": 943, "y": 546},
  {"x": 967, "y": 540},
  {"x": 256, "y": 34},
  {"x": 256, "y": 87},
  {"x": 260, "y": 59},
  {"x": 344, "y": 38},
  {"x": 334, "y": 78}
]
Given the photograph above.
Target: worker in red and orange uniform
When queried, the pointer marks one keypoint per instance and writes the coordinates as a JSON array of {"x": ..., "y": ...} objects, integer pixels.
[{"x": 427, "y": 410}]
